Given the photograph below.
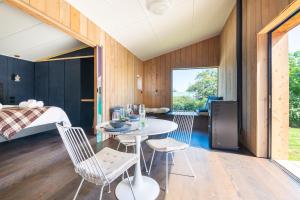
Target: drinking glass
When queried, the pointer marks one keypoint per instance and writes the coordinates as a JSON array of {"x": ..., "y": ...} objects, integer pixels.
[
  {"x": 116, "y": 116},
  {"x": 122, "y": 114},
  {"x": 129, "y": 109},
  {"x": 142, "y": 113}
]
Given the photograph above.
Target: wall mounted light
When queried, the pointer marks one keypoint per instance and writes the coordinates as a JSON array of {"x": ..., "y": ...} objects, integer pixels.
[
  {"x": 139, "y": 83},
  {"x": 16, "y": 77}
]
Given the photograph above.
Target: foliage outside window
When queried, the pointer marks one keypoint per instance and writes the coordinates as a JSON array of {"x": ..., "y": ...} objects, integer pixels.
[
  {"x": 203, "y": 83},
  {"x": 294, "y": 83}
]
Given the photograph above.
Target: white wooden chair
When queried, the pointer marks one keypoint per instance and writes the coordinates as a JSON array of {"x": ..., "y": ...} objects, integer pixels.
[
  {"x": 101, "y": 168},
  {"x": 129, "y": 141},
  {"x": 178, "y": 140}
]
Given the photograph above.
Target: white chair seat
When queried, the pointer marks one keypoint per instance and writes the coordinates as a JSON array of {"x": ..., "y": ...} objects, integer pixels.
[
  {"x": 166, "y": 144},
  {"x": 114, "y": 163},
  {"x": 129, "y": 139}
]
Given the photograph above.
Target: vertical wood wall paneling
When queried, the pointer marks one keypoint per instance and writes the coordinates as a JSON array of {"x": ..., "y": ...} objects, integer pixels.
[
  {"x": 280, "y": 96},
  {"x": 157, "y": 71},
  {"x": 256, "y": 15},
  {"x": 228, "y": 62},
  {"x": 75, "y": 20},
  {"x": 52, "y": 9}
]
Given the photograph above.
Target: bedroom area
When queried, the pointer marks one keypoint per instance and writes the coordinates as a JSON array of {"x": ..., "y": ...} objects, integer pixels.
[{"x": 46, "y": 77}]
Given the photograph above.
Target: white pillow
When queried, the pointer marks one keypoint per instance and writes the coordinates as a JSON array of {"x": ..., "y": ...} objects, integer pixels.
[
  {"x": 40, "y": 104},
  {"x": 23, "y": 104},
  {"x": 157, "y": 110},
  {"x": 1, "y": 106}
]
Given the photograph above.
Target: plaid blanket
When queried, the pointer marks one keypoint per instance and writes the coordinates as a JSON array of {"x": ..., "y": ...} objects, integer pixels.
[{"x": 13, "y": 120}]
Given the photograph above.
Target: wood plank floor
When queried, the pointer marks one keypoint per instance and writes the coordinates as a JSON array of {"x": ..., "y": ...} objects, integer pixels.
[{"x": 38, "y": 167}]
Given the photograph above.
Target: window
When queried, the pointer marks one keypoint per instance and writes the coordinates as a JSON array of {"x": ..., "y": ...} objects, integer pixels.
[{"x": 191, "y": 87}]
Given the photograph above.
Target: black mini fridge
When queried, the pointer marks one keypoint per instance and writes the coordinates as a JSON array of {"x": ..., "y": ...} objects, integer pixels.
[{"x": 223, "y": 125}]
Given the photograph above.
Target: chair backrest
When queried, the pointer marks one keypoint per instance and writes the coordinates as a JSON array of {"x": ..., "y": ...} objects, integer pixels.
[
  {"x": 81, "y": 153},
  {"x": 185, "y": 121}
]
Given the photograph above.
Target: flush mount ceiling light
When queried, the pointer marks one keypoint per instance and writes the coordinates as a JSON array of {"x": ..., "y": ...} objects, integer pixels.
[{"x": 158, "y": 7}]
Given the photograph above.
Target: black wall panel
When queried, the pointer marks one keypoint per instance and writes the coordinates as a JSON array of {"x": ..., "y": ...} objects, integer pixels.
[
  {"x": 87, "y": 92},
  {"x": 87, "y": 80},
  {"x": 72, "y": 90},
  {"x": 42, "y": 82},
  {"x": 87, "y": 114},
  {"x": 3, "y": 79},
  {"x": 57, "y": 84},
  {"x": 23, "y": 90}
]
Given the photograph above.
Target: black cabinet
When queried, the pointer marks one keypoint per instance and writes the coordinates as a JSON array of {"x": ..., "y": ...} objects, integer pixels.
[
  {"x": 64, "y": 83},
  {"x": 223, "y": 125},
  {"x": 87, "y": 91},
  {"x": 42, "y": 82},
  {"x": 73, "y": 90},
  {"x": 57, "y": 83}
]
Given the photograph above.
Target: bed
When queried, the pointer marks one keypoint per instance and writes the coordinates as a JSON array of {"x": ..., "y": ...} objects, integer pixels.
[{"x": 44, "y": 121}]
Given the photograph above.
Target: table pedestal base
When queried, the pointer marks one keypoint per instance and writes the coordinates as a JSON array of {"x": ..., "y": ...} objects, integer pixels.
[{"x": 148, "y": 190}]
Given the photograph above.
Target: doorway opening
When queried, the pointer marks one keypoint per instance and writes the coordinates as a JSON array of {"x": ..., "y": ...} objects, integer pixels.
[{"x": 284, "y": 93}]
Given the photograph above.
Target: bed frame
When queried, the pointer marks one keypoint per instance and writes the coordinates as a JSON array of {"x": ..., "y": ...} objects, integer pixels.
[{"x": 30, "y": 131}]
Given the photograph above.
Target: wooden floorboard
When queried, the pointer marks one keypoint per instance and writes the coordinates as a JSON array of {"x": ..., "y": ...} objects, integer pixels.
[{"x": 38, "y": 167}]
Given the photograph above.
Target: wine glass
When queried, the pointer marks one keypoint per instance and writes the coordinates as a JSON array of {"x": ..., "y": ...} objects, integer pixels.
[
  {"x": 142, "y": 110},
  {"x": 122, "y": 114},
  {"x": 129, "y": 109},
  {"x": 116, "y": 116},
  {"x": 142, "y": 113}
]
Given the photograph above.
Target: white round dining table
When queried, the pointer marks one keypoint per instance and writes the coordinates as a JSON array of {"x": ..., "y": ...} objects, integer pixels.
[{"x": 144, "y": 187}]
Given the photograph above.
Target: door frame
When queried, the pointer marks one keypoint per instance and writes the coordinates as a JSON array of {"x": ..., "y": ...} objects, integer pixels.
[{"x": 270, "y": 68}]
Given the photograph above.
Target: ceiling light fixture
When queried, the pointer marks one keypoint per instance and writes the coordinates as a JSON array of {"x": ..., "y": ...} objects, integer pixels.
[{"x": 158, "y": 7}]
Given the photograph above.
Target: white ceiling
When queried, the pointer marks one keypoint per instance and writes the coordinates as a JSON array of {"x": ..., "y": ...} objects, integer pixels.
[
  {"x": 21, "y": 34},
  {"x": 148, "y": 35}
]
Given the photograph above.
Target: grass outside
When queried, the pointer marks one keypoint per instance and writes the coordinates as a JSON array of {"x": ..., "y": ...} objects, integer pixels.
[{"x": 294, "y": 144}]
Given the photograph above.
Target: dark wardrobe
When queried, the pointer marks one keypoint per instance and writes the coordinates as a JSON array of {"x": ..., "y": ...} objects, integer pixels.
[{"x": 65, "y": 83}]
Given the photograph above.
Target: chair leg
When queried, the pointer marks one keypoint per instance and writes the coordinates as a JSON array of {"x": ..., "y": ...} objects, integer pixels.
[
  {"x": 151, "y": 162},
  {"x": 126, "y": 148},
  {"x": 189, "y": 164},
  {"x": 167, "y": 172},
  {"x": 101, "y": 193},
  {"x": 118, "y": 146},
  {"x": 130, "y": 184},
  {"x": 144, "y": 159},
  {"x": 77, "y": 192}
]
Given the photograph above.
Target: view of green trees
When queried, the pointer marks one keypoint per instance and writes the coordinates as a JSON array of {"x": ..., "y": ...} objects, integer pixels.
[
  {"x": 206, "y": 83},
  {"x": 294, "y": 78},
  {"x": 294, "y": 103}
]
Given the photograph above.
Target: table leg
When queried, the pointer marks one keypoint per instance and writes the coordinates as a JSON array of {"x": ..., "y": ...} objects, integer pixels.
[
  {"x": 144, "y": 187},
  {"x": 138, "y": 178}
]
